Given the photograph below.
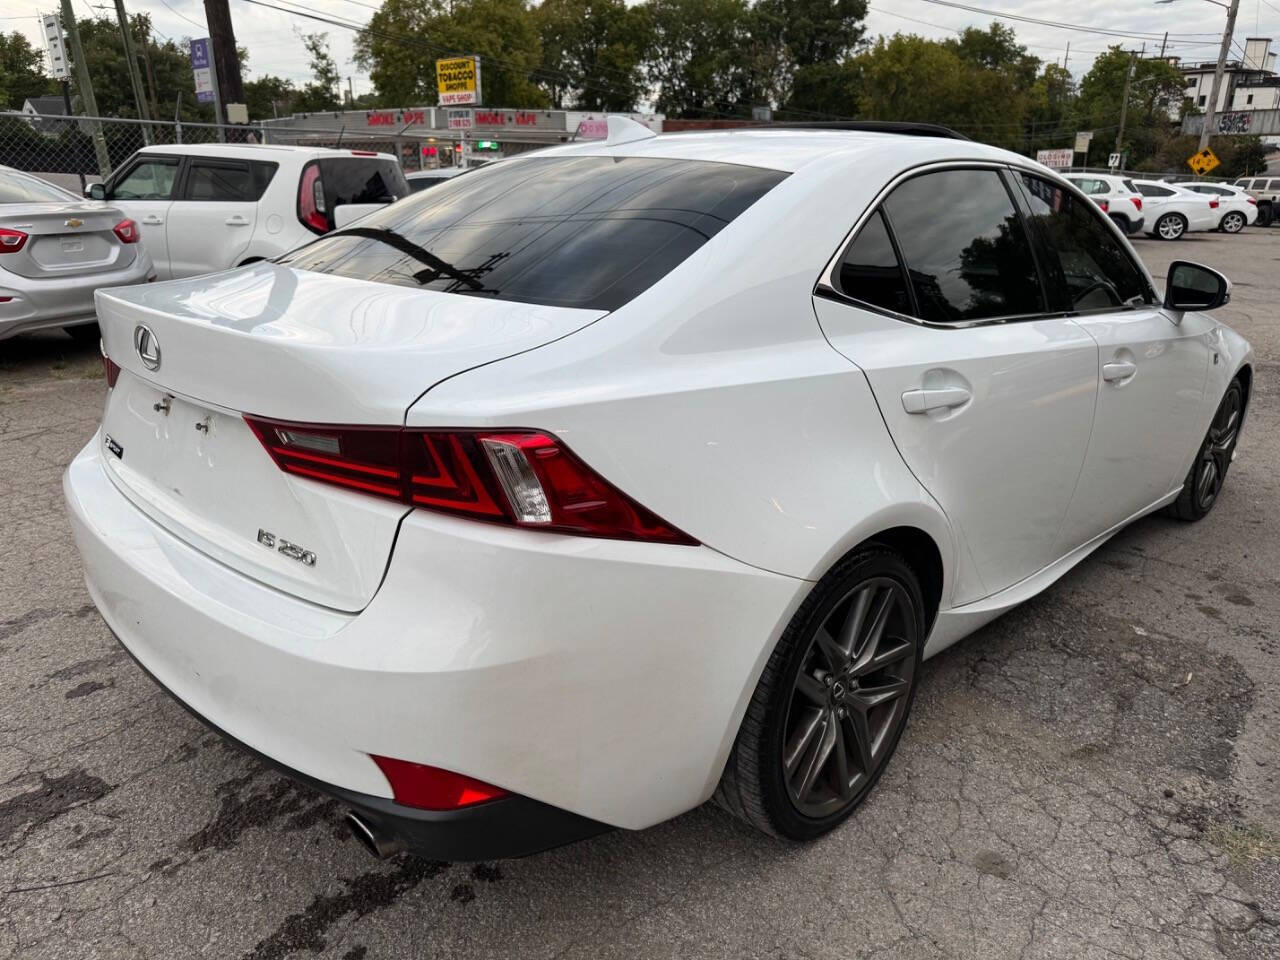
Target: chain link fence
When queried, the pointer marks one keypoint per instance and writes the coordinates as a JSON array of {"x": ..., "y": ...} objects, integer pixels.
[{"x": 75, "y": 151}]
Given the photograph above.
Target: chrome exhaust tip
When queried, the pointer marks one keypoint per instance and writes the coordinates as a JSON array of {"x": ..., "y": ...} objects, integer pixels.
[{"x": 372, "y": 839}]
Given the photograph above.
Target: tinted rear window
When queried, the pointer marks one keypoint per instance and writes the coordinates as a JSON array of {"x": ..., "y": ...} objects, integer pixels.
[
  {"x": 589, "y": 232},
  {"x": 361, "y": 180}
]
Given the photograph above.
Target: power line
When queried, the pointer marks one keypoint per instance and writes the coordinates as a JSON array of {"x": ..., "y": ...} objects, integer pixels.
[
  {"x": 202, "y": 26},
  {"x": 1059, "y": 25}
]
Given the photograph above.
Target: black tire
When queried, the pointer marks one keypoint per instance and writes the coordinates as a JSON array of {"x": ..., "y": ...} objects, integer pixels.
[
  {"x": 1233, "y": 222},
  {"x": 1265, "y": 215},
  {"x": 756, "y": 786},
  {"x": 1171, "y": 226},
  {"x": 1120, "y": 222},
  {"x": 1208, "y": 472},
  {"x": 84, "y": 333}
]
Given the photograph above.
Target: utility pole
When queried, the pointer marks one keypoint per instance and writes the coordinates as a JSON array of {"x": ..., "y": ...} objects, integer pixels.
[
  {"x": 88, "y": 102},
  {"x": 1164, "y": 43},
  {"x": 1066, "y": 55},
  {"x": 135, "y": 76},
  {"x": 1124, "y": 103},
  {"x": 351, "y": 97},
  {"x": 151, "y": 77},
  {"x": 222, "y": 54},
  {"x": 1207, "y": 126}
]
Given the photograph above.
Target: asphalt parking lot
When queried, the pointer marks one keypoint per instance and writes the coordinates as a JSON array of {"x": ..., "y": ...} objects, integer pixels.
[{"x": 1094, "y": 775}]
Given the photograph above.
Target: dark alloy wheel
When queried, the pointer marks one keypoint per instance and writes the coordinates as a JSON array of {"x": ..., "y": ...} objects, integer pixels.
[
  {"x": 832, "y": 701},
  {"x": 1233, "y": 222},
  {"x": 1209, "y": 471},
  {"x": 849, "y": 700}
]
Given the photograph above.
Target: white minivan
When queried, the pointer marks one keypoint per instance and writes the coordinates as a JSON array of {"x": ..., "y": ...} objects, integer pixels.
[{"x": 208, "y": 207}]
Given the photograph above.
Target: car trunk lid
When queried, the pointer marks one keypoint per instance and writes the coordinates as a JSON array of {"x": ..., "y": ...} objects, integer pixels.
[
  {"x": 275, "y": 342},
  {"x": 65, "y": 239}
]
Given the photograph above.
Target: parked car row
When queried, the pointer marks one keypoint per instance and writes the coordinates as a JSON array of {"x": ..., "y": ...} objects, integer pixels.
[
  {"x": 1168, "y": 210},
  {"x": 170, "y": 212}
]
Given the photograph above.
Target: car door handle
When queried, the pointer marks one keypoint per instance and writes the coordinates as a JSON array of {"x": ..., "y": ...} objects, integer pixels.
[
  {"x": 938, "y": 398},
  {"x": 1118, "y": 370},
  {"x": 153, "y": 219},
  {"x": 236, "y": 221}
]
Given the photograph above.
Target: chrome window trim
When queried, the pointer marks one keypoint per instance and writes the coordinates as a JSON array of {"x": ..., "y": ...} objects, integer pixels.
[{"x": 826, "y": 286}]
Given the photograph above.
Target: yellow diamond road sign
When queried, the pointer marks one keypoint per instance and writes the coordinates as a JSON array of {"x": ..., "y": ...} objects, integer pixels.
[{"x": 1203, "y": 162}]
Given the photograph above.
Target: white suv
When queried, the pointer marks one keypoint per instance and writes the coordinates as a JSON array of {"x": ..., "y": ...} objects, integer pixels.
[
  {"x": 1117, "y": 196},
  {"x": 208, "y": 207}
]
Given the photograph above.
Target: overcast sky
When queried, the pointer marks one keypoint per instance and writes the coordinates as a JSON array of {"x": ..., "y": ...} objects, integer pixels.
[{"x": 271, "y": 38}]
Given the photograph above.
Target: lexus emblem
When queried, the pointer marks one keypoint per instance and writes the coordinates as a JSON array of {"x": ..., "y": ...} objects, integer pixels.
[
  {"x": 147, "y": 346},
  {"x": 73, "y": 222}
]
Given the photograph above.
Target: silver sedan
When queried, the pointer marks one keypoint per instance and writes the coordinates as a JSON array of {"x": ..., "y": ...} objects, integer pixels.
[{"x": 56, "y": 249}]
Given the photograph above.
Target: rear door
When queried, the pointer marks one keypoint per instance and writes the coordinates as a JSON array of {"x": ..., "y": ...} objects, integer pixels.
[
  {"x": 214, "y": 215},
  {"x": 988, "y": 395},
  {"x": 144, "y": 190},
  {"x": 1151, "y": 371}
]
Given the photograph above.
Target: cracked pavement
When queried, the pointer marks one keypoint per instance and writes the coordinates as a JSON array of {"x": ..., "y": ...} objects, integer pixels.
[{"x": 1093, "y": 775}]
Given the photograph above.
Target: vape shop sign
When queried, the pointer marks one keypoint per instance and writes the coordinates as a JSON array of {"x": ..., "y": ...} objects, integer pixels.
[{"x": 458, "y": 81}]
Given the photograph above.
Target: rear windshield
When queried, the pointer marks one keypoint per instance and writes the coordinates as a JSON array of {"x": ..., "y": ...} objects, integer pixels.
[
  {"x": 361, "y": 180},
  {"x": 589, "y": 232},
  {"x": 15, "y": 188}
]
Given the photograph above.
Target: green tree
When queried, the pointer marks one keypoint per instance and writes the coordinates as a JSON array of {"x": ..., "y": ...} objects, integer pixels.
[
  {"x": 268, "y": 96},
  {"x": 1156, "y": 89},
  {"x": 322, "y": 93},
  {"x": 591, "y": 51},
  {"x": 404, "y": 39},
  {"x": 170, "y": 69},
  {"x": 698, "y": 56},
  {"x": 21, "y": 71}
]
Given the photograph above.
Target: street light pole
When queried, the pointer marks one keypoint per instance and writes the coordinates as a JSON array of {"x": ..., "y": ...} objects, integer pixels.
[{"x": 1212, "y": 108}]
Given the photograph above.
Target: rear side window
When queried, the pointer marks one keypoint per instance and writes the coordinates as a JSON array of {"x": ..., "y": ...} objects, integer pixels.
[
  {"x": 1086, "y": 266},
  {"x": 1151, "y": 190},
  {"x": 1271, "y": 185},
  {"x": 1128, "y": 185},
  {"x": 589, "y": 232},
  {"x": 870, "y": 270},
  {"x": 964, "y": 246},
  {"x": 1244, "y": 184},
  {"x": 361, "y": 180},
  {"x": 227, "y": 180}
]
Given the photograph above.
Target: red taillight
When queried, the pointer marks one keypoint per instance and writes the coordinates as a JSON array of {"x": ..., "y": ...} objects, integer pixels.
[
  {"x": 430, "y": 788},
  {"x": 1137, "y": 202},
  {"x": 1103, "y": 205},
  {"x": 1213, "y": 204},
  {"x": 525, "y": 478},
  {"x": 1252, "y": 200},
  {"x": 311, "y": 207},
  {"x": 110, "y": 369},
  {"x": 11, "y": 241},
  {"x": 126, "y": 230}
]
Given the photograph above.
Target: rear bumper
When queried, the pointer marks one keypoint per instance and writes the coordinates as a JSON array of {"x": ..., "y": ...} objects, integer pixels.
[
  {"x": 61, "y": 302},
  {"x": 512, "y": 826},
  {"x": 601, "y": 678}
]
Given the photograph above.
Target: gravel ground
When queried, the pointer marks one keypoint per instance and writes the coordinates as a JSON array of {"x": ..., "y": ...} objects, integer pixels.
[{"x": 1093, "y": 775}]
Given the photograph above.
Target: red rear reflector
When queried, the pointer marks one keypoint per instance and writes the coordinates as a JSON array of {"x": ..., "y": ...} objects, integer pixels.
[
  {"x": 523, "y": 478},
  {"x": 11, "y": 241},
  {"x": 126, "y": 230},
  {"x": 1102, "y": 204},
  {"x": 1137, "y": 202},
  {"x": 430, "y": 788},
  {"x": 5, "y": 299},
  {"x": 110, "y": 369}
]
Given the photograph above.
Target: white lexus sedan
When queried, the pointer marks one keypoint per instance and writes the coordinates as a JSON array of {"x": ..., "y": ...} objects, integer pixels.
[{"x": 580, "y": 489}]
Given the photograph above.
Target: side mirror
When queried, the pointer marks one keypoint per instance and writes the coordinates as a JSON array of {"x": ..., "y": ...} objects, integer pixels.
[
  {"x": 96, "y": 191},
  {"x": 1192, "y": 286}
]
